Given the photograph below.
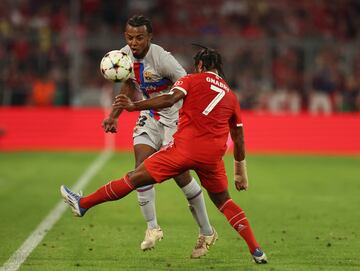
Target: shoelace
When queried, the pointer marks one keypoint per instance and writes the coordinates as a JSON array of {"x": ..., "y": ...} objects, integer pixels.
[
  {"x": 200, "y": 242},
  {"x": 77, "y": 196},
  {"x": 150, "y": 233}
]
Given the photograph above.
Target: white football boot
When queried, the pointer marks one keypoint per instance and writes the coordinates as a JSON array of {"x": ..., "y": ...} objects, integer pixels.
[
  {"x": 151, "y": 236},
  {"x": 203, "y": 244},
  {"x": 73, "y": 200}
]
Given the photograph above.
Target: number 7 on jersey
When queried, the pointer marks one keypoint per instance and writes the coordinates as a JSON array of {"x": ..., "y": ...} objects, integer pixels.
[{"x": 215, "y": 101}]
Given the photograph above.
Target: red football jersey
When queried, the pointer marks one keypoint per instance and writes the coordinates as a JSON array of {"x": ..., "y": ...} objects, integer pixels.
[{"x": 209, "y": 109}]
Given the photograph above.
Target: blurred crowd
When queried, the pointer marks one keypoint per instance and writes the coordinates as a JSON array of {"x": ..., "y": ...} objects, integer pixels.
[{"x": 279, "y": 56}]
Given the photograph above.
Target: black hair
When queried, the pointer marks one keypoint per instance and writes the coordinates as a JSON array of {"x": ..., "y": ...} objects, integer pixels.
[
  {"x": 210, "y": 58},
  {"x": 140, "y": 20}
]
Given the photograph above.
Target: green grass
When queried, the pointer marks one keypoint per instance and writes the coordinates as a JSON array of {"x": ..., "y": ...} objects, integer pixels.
[{"x": 303, "y": 209}]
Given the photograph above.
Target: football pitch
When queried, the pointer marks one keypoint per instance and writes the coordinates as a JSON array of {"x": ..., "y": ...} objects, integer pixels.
[{"x": 304, "y": 211}]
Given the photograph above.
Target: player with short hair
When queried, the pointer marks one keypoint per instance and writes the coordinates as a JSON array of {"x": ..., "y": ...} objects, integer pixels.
[
  {"x": 210, "y": 110},
  {"x": 154, "y": 72}
]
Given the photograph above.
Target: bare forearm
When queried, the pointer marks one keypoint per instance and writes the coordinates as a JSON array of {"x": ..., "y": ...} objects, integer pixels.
[
  {"x": 240, "y": 171},
  {"x": 115, "y": 113},
  {"x": 239, "y": 152},
  {"x": 162, "y": 101},
  {"x": 154, "y": 103},
  {"x": 237, "y": 136},
  {"x": 128, "y": 88}
]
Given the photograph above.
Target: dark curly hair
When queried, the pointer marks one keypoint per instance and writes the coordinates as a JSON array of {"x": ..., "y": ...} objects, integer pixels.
[
  {"x": 140, "y": 20},
  {"x": 211, "y": 59}
]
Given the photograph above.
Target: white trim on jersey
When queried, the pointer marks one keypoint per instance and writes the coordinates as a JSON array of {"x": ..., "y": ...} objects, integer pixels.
[
  {"x": 239, "y": 125},
  {"x": 179, "y": 88},
  {"x": 214, "y": 73}
]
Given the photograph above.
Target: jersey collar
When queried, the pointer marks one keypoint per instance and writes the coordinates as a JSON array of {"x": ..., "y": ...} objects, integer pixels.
[{"x": 214, "y": 73}]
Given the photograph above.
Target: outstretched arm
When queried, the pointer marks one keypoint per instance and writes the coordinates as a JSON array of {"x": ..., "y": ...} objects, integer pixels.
[
  {"x": 240, "y": 171},
  {"x": 128, "y": 88},
  {"x": 162, "y": 101}
]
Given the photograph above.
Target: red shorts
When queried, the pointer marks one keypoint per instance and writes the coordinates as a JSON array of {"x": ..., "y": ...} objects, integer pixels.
[{"x": 168, "y": 163}]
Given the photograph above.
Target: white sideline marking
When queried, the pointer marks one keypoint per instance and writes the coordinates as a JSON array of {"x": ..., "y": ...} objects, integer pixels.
[{"x": 19, "y": 256}]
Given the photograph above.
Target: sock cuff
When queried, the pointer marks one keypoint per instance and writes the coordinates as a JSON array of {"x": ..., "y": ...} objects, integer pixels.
[
  {"x": 192, "y": 189},
  {"x": 127, "y": 181},
  {"x": 197, "y": 194},
  {"x": 144, "y": 188},
  {"x": 222, "y": 207}
]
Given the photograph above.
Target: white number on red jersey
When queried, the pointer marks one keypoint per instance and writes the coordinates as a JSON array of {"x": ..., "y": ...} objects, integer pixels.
[{"x": 215, "y": 101}]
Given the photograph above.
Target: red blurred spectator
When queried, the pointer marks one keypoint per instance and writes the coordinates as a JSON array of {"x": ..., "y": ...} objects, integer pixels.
[{"x": 43, "y": 91}]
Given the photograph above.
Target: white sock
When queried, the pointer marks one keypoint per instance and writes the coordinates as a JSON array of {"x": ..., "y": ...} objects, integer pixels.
[
  {"x": 146, "y": 199},
  {"x": 197, "y": 206}
]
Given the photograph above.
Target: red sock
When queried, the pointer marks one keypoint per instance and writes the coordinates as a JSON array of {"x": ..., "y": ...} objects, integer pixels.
[
  {"x": 236, "y": 217},
  {"x": 113, "y": 190}
]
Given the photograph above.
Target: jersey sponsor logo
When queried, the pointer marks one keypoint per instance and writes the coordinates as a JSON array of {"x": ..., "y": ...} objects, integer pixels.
[{"x": 152, "y": 87}]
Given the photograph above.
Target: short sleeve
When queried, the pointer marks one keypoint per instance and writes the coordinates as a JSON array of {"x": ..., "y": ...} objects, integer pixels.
[
  {"x": 170, "y": 67},
  {"x": 235, "y": 120},
  {"x": 182, "y": 84}
]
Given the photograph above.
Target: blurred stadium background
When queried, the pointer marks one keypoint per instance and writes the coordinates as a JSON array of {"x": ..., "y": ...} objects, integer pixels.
[{"x": 280, "y": 55}]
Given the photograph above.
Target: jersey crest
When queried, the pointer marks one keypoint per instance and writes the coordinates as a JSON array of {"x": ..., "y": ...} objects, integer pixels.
[{"x": 148, "y": 75}]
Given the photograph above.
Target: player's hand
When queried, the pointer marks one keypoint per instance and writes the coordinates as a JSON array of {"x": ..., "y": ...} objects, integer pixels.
[
  {"x": 123, "y": 102},
  {"x": 241, "y": 183},
  {"x": 109, "y": 125},
  {"x": 240, "y": 175}
]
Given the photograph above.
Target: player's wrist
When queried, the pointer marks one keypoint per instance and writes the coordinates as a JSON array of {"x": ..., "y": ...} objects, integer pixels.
[
  {"x": 138, "y": 105},
  {"x": 240, "y": 170},
  {"x": 114, "y": 115},
  {"x": 112, "y": 118},
  {"x": 130, "y": 107}
]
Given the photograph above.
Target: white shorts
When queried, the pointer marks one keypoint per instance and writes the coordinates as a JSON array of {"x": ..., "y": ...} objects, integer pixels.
[{"x": 152, "y": 132}]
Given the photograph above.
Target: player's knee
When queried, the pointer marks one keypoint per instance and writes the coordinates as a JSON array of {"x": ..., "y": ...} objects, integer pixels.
[
  {"x": 130, "y": 173},
  {"x": 140, "y": 177},
  {"x": 219, "y": 199},
  {"x": 183, "y": 179}
]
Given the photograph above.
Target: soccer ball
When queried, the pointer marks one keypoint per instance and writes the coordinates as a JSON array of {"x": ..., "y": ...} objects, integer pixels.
[{"x": 116, "y": 66}]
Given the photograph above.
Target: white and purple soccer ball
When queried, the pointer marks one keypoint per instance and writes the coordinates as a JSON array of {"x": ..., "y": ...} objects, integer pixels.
[{"x": 116, "y": 66}]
